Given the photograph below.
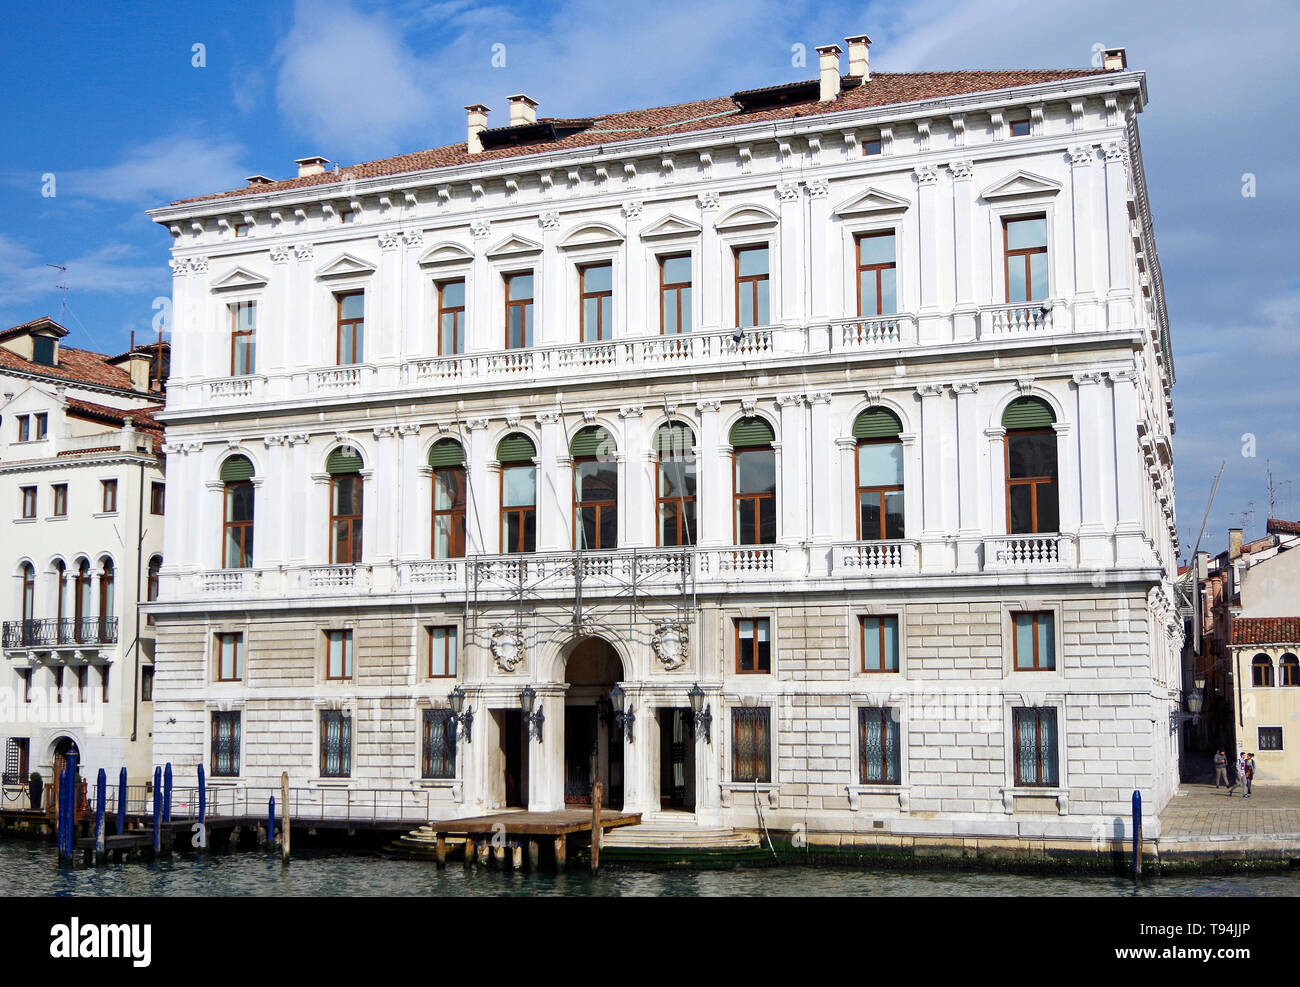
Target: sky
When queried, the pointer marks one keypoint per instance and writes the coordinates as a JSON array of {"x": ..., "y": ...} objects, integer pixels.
[{"x": 110, "y": 110}]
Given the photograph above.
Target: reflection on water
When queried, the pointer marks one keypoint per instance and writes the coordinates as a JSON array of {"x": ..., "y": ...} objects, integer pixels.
[{"x": 28, "y": 869}]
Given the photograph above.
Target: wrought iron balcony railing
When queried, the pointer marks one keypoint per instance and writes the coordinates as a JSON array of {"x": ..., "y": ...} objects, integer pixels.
[{"x": 60, "y": 632}]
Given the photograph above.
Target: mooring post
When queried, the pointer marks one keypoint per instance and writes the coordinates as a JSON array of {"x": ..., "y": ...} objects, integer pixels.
[
  {"x": 167, "y": 793},
  {"x": 596, "y": 795},
  {"x": 442, "y": 850},
  {"x": 284, "y": 810},
  {"x": 560, "y": 847},
  {"x": 61, "y": 811},
  {"x": 70, "y": 830},
  {"x": 534, "y": 855},
  {"x": 1137, "y": 834},
  {"x": 270, "y": 822},
  {"x": 101, "y": 794},
  {"x": 469, "y": 852},
  {"x": 203, "y": 809},
  {"x": 121, "y": 801},
  {"x": 157, "y": 808}
]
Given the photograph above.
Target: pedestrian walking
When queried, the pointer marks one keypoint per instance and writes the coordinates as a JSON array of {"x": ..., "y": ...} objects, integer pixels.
[
  {"x": 1221, "y": 770},
  {"x": 1250, "y": 772}
]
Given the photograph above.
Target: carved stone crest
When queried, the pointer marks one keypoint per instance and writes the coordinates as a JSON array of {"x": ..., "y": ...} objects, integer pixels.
[
  {"x": 671, "y": 642},
  {"x": 507, "y": 647}
]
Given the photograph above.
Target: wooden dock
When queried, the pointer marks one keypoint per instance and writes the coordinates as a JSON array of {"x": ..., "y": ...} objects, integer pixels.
[{"x": 485, "y": 834}]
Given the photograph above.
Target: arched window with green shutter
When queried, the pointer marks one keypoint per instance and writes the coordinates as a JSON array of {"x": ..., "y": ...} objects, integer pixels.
[
  {"x": 344, "y": 467},
  {"x": 516, "y": 448},
  {"x": 344, "y": 459},
  {"x": 237, "y": 513},
  {"x": 447, "y": 458},
  {"x": 753, "y": 482},
  {"x": 675, "y": 484},
  {"x": 236, "y": 469},
  {"x": 1031, "y": 468},
  {"x": 879, "y": 475},
  {"x": 595, "y": 489},
  {"x": 446, "y": 452},
  {"x": 515, "y": 453},
  {"x": 592, "y": 441}
]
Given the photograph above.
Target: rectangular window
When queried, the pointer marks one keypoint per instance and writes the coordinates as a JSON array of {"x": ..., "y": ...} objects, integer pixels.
[
  {"x": 518, "y": 508},
  {"x": 1018, "y": 126},
  {"x": 754, "y": 472},
  {"x": 243, "y": 339},
  {"x": 103, "y": 683},
  {"x": 1025, "y": 246},
  {"x": 438, "y": 758},
  {"x": 595, "y": 503},
  {"x": 879, "y": 643},
  {"x": 596, "y": 309},
  {"x": 753, "y": 645},
  {"x": 242, "y": 229},
  {"x": 751, "y": 286},
  {"x": 230, "y": 657},
  {"x": 237, "y": 543},
  {"x": 156, "y": 496},
  {"x": 146, "y": 683},
  {"x": 871, "y": 146},
  {"x": 676, "y": 498},
  {"x": 751, "y": 743},
  {"x": 880, "y": 489},
  {"x": 1036, "y": 745},
  {"x": 351, "y": 324},
  {"x": 519, "y": 310},
  {"x": 878, "y": 747},
  {"x": 674, "y": 294},
  {"x": 60, "y": 500},
  {"x": 449, "y": 512},
  {"x": 877, "y": 270},
  {"x": 43, "y": 350},
  {"x": 42, "y": 423},
  {"x": 335, "y": 743},
  {"x": 24, "y": 428},
  {"x": 26, "y": 675},
  {"x": 225, "y": 744},
  {"x": 1034, "y": 641},
  {"x": 1270, "y": 738},
  {"x": 451, "y": 317},
  {"x": 83, "y": 676},
  {"x": 109, "y": 500},
  {"x": 338, "y": 655},
  {"x": 442, "y": 652},
  {"x": 345, "y": 519},
  {"x": 29, "y": 501},
  {"x": 58, "y": 684}
]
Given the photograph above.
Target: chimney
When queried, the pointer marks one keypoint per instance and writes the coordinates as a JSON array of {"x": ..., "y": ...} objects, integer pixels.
[
  {"x": 829, "y": 56},
  {"x": 1234, "y": 543},
  {"x": 859, "y": 67},
  {"x": 314, "y": 165},
  {"x": 259, "y": 179},
  {"x": 477, "y": 120},
  {"x": 523, "y": 110},
  {"x": 1114, "y": 59}
]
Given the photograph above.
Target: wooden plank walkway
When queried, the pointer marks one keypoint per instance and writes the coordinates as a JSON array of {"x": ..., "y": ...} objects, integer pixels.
[{"x": 527, "y": 827}]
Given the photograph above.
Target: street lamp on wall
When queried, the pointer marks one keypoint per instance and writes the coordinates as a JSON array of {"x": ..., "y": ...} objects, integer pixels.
[
  {"x": 624, "y": 718},
  {"x": 463, "y": 716},
  {"x": 1194, "y": 703},
  {"x": 703, "y": 713},
  {"x": 533, "y": 717}
]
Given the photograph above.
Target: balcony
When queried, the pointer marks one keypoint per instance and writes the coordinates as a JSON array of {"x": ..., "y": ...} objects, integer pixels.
[
  {"x": 1028, "y": 552},
  {"x": 59, "y": 632},
  {"x": 1016, "y": 320},
  {"x": 877, "y": 332},
  {"x": 870, "y": 558},
  {"x": 236, "y": 389}
]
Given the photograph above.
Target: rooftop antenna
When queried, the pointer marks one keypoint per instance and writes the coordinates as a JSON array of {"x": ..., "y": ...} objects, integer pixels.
[
  {"x": 1272, "y": 491},
  {"x": 1196, "y": 570},
  {"x": 63, "y": 289}
]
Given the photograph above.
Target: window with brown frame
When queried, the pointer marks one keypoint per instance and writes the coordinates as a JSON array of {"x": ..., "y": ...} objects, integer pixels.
[
  {"x": 243, "y": 339},
  {"x": 26, "y": 675},
  {"x": 351, "y": 323},
  {"x": 242, "y": 229},
  {"x": 753, "y": 645},
  {"x": 518, "y": 494},
  {"x": 230, "y": 657},
  {"x": 675, "y": 485},
  {"x": 751, "y": 286},
  {"x": 879, "y": 643},
  {"x": 595, "y": 503},
  {"x": 338, "y": 655},
  {"x": 28, "y": 501},
  {"x": 83, "y": 677},
  {"x": 674, "y": 294},
  {"x": 1036, "y": 745},
  {"x": 103, "y": 682},
  {"x": 449, "y": 496},
  {"x": 1024, "y": 241},
  {"x": 596, "y": 301},
  {"x": 879, "y": 465},
  {"x": 1034, "y": 641},
  {"x": 871, "y": 146},
  {"x": 877, "y": 273},
  {"x": 1018, "y": 126},
  {"x": 146, "y": 683},
  {"x": 109, "y": 500},
  {"x": 58, "y": 684},
  {"x": 519, "y": 310},
  {"x": 754, "y": 484},
  {"x": 29, "y": 591},
  {"x": 151, "y": 584},
  {"x": 1261, "y": 672},
  {"x": 451, "y": 317},
  {"x": 24, "y": 428},
  {"x": 42, "y": 423},
  {"x": 60, "y": 500},
  {"x": 442, "y": 652},
  {"x": 1289, "y": 666},
  {"x": 1032, "y": 496},
  {"x": 751, "y": 744},
  {"x": 879, "y": 750},
  {"x": 345, "y": 518},
  {"x": 237, "y": 525},
  {"x": 157, "y": 493}
]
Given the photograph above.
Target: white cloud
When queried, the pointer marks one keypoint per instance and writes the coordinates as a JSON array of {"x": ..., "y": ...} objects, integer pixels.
[
  {"x": 113, "y": 267},
  {"x": 159, "y": 171}
]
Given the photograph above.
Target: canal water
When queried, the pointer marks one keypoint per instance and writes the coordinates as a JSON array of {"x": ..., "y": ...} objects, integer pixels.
[{"x": 29, "y": 869}]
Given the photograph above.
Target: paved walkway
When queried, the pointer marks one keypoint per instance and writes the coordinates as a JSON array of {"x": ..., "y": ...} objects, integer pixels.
[{"x": 1200, "y": 814}]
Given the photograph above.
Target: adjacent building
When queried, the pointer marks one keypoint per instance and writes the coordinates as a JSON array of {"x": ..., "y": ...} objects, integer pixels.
[
  {"x": 81, "y": 476},
  {"x": 800, "y": 455}
]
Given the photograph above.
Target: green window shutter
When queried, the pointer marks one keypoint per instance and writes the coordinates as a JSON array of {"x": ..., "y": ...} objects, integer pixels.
[
  {"x": 236, "y": 469},
  {"x": 876, "y": 423},
  {"x": 344, "y": 459},
  {"x": 1028, "y": 413},
  {"x": 674, "y": 439},
  {"x": 446, "y": 452},
  {"x": 592, "y": 441},
  {"x": 751, "y": 432},
  {"x": 516, "y": 448}
]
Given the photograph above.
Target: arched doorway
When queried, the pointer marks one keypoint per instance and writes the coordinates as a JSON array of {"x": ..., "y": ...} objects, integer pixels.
[
  {"x": 63, "y": 748},
  {"x": 593, "y": 744}
]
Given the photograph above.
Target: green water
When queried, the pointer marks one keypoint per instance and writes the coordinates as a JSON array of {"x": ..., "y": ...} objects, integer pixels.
[{"x": 29, "y": 869}]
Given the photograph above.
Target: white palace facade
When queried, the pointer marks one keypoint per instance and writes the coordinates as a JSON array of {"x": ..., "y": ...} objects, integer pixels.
[{"x": 837, "y": 411}]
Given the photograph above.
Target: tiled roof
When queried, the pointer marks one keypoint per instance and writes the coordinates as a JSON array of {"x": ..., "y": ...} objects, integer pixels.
[
  {"x": 883, "y": 89},
  {"x": 1266, "y": 630},
  {"x": 87, "y": 452},
  {"x": 80, "y": 366},
  {"x": 141, "y": 417},
  {"x": 1276, "y": 526},
  {"x": 44, "y": 321}
]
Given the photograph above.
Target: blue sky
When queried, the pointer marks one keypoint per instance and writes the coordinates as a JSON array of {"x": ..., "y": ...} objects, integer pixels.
[{"x": 106, "y": 98}]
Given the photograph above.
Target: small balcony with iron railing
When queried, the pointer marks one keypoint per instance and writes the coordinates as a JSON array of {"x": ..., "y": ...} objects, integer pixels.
[{"x": 59, "y": 632}]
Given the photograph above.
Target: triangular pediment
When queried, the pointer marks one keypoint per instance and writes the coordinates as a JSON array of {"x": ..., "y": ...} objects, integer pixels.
[
  {"x": 670, "y": 226},
  {"x": 872, "y": 201},
  {"x": 591, "y": 235},
  {"x": 515, "y": 246},
  {"x": 239, "y": 277},
  {"x": 745, "y": 217},
  {"x": 1022, "y": 183},
  {"x": 345, "y": 265},
  {"x": 446, "y": 253}
]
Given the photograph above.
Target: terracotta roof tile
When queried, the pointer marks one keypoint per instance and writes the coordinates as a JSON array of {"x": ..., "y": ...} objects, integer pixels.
[
  {"x": 142, "y": 417},
  {"x": 1276, "y": 526},
  {"x": 80, "y": 366},
  {"x": 884, "y": 89},
  {"x": 1266, "y": 630}
]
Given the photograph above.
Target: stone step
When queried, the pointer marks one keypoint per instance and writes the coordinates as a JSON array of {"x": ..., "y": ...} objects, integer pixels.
[{"x": 704, "y": 837}]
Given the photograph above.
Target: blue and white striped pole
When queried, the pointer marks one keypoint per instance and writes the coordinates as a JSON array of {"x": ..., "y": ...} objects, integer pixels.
[
  {"x": 157, "y": 808},
  {"x": 121, "y": 801},
  {"x": 101, "y": 795},
  {"x": 167, "y": 793},
  {"x": 203, "y": 809}
]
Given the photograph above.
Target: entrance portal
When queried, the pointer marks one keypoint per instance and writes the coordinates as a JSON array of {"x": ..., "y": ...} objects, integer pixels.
[
  {"x": 63, "y": 748},
  {"x": 676, "y": 759},
  {"x": 593, "y": 745},
  {"x": 513, "y": 756}
]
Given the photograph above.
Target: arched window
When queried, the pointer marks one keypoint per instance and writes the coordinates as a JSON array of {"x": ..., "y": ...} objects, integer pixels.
[
  {"x": 675, "y": 484},
  {"x": 447, "y": 460},
  {"x": 1290, "y": 669},
  {"x": 880, "y": 475},
  {"x": 29, "y": 591},
  {"x": 753, "y": 482},
  {"x": 60, "y": 574},
  {"x": 1261, "y": 671},
  {"x": 237, "y": 513},
  {"x": 1030, "y": 444},
  {"x": 515, "y": 453},
  {"x": 344, "y": 468},
  {"x": 151, "y": 585},
  {"x": 106, "y": 603},
  {"x": 595, "y": 489},
  {"x": 81, "y": 603}
]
